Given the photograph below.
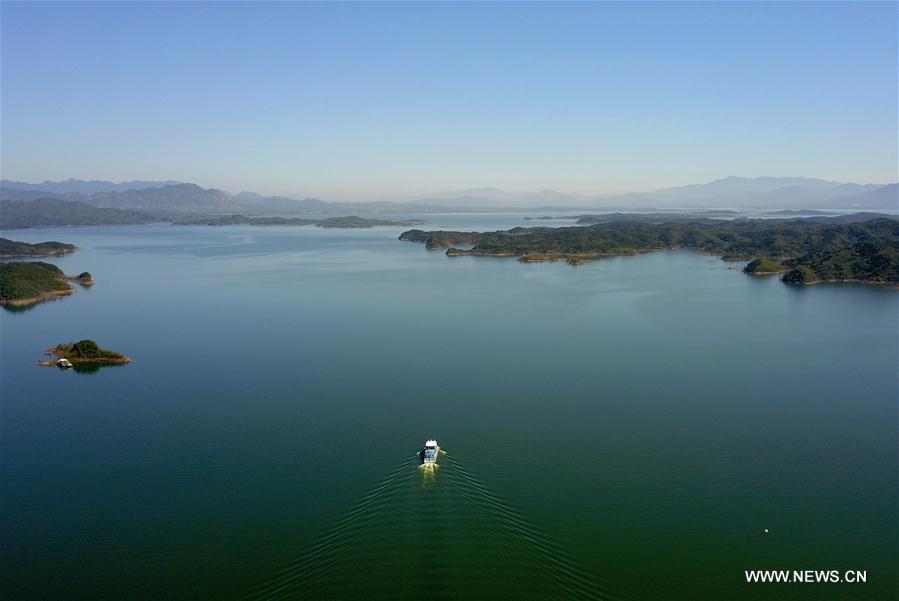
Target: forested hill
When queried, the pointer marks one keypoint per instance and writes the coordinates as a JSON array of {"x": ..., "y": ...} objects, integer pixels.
[
  {"x": 16, "y": 214},
  {"x": 809, "y": 250}
]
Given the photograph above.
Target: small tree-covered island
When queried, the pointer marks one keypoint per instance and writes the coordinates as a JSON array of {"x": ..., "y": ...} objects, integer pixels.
[
  {"x": 84, "y": 278},
  {"x": 83, "y": 353},
  {"x": 805, "y": 251},
  {"x": 27, "y": 283}
]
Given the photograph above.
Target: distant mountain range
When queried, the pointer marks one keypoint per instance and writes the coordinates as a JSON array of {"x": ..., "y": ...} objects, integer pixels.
[
  {"x": 731, "y": 192},
  {"x": 189, "y": 198},
  {"x": 166, "y": 197},
  {"x": 493, "y": 197},
  {"x": 77, "y": 186},
  {"x": 258, "y": 202},
  {"x": 767, "y": 193}
]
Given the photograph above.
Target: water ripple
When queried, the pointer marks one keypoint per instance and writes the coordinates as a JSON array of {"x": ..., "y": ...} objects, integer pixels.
[{"x": 436, "y": 532}]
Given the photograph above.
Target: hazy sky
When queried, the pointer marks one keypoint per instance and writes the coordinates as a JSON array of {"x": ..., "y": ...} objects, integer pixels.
[{"x": 373, "y": 100}]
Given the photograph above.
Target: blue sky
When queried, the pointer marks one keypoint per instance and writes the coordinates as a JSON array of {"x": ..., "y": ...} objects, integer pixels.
[{"x": 373, "y": 100}]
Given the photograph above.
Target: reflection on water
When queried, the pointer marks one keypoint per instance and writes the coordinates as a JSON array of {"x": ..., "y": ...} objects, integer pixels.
[
  {"x": 22, "y": 308},
  {"x": 428, "y": 473},
  {"x": 92, "y": 368},
  {"x": 432, "y": 532}
]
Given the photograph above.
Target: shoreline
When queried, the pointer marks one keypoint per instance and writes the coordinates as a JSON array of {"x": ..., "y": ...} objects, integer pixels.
[
  {"x": 858, "y": 249},
  {"x": 765, "y": 272},
  {"x": 893, "y": 285},
  {"x": 350, "y": 222},
  {"x": 36, "y": 255},
  {"x": 579, "y": 259},
  {"x": 570, "y": 258},
  {"x": 33, "y": 300}
]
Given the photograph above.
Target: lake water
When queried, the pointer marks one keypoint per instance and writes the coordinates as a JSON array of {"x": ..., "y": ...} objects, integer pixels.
[{"x": 623, "y": 429}]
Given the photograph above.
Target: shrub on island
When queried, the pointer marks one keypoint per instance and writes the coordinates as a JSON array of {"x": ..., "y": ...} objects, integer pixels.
[
  {"x": 802, "y": 274},
  {"x": 762, "y": 266}
]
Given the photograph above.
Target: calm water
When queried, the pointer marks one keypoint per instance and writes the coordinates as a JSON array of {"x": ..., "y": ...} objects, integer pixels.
[{"x": 623, "y": 429}]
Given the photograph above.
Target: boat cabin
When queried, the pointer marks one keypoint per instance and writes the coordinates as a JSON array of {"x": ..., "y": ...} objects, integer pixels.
[{"x": 429, "y": 453}]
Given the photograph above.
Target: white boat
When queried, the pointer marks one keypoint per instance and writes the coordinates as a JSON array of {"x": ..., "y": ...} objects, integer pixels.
[
  {"x": 429, "y": 453},
  {"x": 63, "y": 363}
]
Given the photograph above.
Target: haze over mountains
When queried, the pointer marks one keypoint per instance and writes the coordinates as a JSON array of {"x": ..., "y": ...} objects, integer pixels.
[
  {"x": 728, "y": 193},
  {"x": 78, "y": 186},
  {"x": 731, "y": 192}
]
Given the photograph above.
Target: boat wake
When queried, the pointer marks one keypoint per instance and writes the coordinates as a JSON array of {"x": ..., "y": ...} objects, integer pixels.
[{"x": 435, "y": 533}]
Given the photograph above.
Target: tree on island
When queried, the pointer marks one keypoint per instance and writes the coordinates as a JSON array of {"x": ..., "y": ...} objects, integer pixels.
[
  {"x": 800, "y": 275},
  {"x": 86, "y": 348},
  {"x": 85, "y": 351}
]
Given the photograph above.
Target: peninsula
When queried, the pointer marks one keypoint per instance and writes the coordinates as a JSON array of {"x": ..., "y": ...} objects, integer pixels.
[
  {"x": 27, "y": 283},
  {"x": 351, "y": 222},
  {"x": 10, "y": 249},
  {"x": 807, "y": 250},
  {"x": 84, "y": 352}
]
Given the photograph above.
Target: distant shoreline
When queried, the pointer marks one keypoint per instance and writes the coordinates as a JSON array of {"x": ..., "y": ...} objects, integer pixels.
[
  {"x": 349, "y": 222},
  {"x": 35, "y": 255},
  {"x": 855, "y": 248},
  {"x": 580, "y": 259}
]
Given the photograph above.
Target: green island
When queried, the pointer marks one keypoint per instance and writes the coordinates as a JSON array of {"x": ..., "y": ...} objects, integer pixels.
[
  {"x": 84, "y": 278},
  {"x": 351, "y": 222},
  {"x": 808, "y": 251},
  {"x": 27, "y": 283},
  {"x": 84, "y": 353},
  {"x": 10, "y": 249}
]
